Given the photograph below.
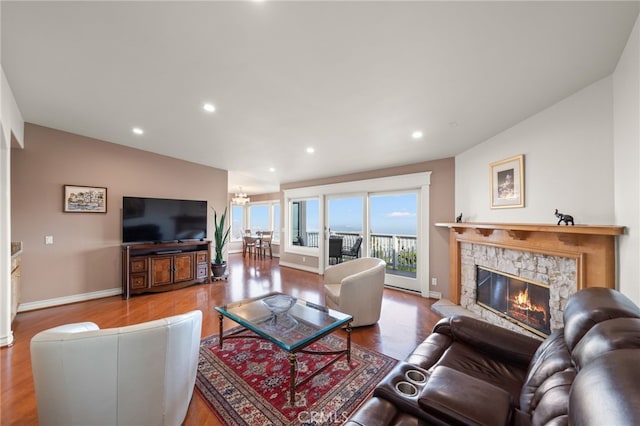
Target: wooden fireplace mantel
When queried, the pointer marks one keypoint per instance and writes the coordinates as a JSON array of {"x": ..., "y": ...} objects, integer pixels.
[{"x": 593, "y": 247}]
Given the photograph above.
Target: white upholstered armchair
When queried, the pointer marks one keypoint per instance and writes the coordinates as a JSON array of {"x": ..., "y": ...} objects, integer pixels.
[
  {"x": 142, "y": 374},
  {"x": 355, "y": 288}
]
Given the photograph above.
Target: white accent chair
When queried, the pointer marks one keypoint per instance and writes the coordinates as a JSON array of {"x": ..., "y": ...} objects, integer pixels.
[
  {"x": 355, "y": 287},
  {"x": 141, "y": 374}
]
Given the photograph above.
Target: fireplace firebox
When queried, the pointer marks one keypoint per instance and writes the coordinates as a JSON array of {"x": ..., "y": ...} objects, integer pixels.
[{"x": 514, "y": 298}]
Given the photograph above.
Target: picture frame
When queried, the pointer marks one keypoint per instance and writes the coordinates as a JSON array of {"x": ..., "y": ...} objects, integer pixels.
[
  {"x": 84, "y": 199},
  {"x": 507, "y": 183}
]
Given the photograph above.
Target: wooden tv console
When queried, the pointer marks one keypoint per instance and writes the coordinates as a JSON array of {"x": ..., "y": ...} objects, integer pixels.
[{"x": 148, "y": 268}]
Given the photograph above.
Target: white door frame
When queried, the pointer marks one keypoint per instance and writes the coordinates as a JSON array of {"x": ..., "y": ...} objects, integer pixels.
[{"x": 420, "y": 181}]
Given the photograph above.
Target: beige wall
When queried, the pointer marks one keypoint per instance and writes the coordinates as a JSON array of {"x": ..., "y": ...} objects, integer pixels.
[
  {"x": 441, "y": 210},
  {"x": 85, "y": 256},
  {"x": 626, "y": 157}
]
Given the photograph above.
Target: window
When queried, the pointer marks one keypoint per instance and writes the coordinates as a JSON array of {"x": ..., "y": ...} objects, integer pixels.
[
  {"x": 237, "y": 222},
  {"x": 276, "y": 223},
  {"x": 259, "y": 219},
  {"x": 345, "y": 223},
  {"x": 305, "y": 223},
  {"x": 256, "y": 217},
  {"x": 302, "y": 221}
]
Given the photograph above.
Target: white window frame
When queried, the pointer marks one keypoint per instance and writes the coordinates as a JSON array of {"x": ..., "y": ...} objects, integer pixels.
[
  {"x": 303, "y": 250},
  {"x": 419, "y": 181},
  {"x": 246, "y": 219}
]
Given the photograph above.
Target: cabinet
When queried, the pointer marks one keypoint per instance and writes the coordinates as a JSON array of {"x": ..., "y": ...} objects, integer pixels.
[{"x": 164, "y": 267}]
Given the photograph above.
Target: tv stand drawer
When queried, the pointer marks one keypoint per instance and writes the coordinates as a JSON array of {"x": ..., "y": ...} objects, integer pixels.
[{"x": 164, "y": 267}]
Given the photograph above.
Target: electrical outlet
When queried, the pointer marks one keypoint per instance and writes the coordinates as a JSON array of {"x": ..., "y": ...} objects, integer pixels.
[
  {"x": 304, "y": 259},
  {"x": 48, "y": 239},
  {"x": 434, "y": 282}
]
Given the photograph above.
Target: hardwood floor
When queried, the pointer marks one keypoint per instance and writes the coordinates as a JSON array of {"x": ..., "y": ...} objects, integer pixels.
[{"x": 406, "y": 320}]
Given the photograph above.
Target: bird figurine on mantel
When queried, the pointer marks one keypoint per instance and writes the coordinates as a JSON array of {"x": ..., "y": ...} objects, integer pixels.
[{"x": 459, "y": 218}]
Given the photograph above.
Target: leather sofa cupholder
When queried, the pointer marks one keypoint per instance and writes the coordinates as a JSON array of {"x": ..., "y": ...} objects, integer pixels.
[
  {"x": 402, "y": 387},
  {"x": 416, "y": 377},
  {"x": 406, "y": 389}
]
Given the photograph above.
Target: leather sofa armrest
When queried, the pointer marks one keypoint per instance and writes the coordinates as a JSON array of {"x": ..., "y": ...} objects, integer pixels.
[
  {"x": 459, "y": 399},
  {"x": 374, "y": 412},
  {"x": 489, "y": 339}
]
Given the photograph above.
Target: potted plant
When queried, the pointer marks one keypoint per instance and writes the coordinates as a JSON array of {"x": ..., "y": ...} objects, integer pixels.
[{"x": 220, "y": 239}]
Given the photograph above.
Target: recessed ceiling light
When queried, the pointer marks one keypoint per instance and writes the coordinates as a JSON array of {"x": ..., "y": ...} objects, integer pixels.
[
  {"x": 272, "y": 169},
  {"x": 417, "y": 134},
  {"x": 137, "y": 130},
  {"x": 310, "y": 150},
  {"x": 209, "y": 107}
]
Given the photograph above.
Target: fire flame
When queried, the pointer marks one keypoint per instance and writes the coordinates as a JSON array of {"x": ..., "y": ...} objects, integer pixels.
[
  {"x": 522, "y": 301},
  {"x": 522, "y": 298}
]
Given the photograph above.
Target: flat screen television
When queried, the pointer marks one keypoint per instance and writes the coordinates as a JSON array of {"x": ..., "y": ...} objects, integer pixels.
[{"x": 158, "y": 220}]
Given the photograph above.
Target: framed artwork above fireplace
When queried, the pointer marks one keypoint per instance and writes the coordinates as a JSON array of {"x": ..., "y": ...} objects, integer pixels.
[{"x": 507, "y": 182}]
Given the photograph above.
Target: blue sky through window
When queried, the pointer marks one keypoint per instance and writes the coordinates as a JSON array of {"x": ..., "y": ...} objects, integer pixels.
[
  {"x": 259, "y": 218},
  {"x": 389, "y": 214},
  {"x": 394, "y": 214},
  {"x": 313, "y": 210},
  {"x": 345, "y": 214}
]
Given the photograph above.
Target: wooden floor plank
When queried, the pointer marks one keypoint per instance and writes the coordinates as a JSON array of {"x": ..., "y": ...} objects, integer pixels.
[{"x": 406, "y": 320}]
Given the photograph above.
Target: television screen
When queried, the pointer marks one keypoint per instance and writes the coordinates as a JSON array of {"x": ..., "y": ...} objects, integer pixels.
[{"x": 163, "y": 220}]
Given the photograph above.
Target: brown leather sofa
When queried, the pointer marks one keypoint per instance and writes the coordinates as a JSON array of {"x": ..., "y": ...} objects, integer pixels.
[{"x": 469, "y": 372}]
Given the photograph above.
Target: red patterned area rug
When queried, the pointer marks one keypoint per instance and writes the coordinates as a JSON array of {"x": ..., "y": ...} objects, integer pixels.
[{"x": 247, "y": 382}]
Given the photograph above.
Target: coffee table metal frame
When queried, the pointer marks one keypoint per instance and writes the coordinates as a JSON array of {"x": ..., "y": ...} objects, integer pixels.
[{"x": 252, "y": 315}]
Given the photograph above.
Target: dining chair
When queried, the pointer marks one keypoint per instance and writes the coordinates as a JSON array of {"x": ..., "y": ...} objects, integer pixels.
[
  {"x": 335, "y": 249},
  {"x": 249, "y": 245},
  {"x": 245, "y": 232},
  {"x": 265, "y": 243},
  {"x": 354, "y": 250}
]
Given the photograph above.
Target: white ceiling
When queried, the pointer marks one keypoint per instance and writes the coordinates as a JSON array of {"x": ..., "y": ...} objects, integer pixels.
[{"x": 351, "y": 79}]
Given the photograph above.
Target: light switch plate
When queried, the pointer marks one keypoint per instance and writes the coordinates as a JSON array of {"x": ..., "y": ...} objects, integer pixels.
[{"x": 48, "y": 239}]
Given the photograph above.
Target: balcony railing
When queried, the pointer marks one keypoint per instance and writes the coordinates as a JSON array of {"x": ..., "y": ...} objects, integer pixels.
[
  {"x": 399, "y": 251},
  {"x": 307, "y": 239}
]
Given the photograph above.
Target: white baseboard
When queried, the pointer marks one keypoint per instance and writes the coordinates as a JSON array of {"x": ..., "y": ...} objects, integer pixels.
[
  {"x": 298, "y": 266},
  {"x": 435, "y": 295},
  {"x": 6, "y": 340},
  {"x": 57, "y": 301}
]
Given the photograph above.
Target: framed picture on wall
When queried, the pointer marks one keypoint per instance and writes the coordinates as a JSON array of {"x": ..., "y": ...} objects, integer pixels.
[
  {"x": 507, "y": 182},
  {"x": 84, "y": 199}
]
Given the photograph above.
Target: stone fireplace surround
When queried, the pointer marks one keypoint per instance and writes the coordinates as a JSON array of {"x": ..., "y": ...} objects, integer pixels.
[
  {"x": 567, "y": 258},
  {"x": 559, "y": 273}
]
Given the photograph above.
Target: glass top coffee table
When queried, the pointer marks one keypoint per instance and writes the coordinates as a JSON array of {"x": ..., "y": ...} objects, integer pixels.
[{"x": 291, "y": 324}]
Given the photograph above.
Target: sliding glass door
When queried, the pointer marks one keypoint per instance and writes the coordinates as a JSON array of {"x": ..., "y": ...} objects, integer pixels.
[
  {"x": 382, "y": 225},
  {"x": 345, "y": 227},
  {"x": 393, "y": 237},
  {"x": 388, "y": 217}
]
